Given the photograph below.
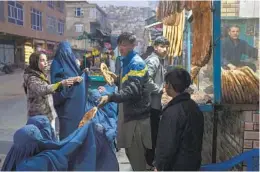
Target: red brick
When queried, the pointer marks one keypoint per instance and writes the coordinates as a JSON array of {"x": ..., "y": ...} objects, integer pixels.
[
  {"x": 248, "y": 144},
  {"x": 249, "y": 126},
  {"x": 252, "y": 135},
  {"x": 248, "y": 117},
  {"x": 256, "y": 117},
  {"x": 256, "y": 127},
  {"x": 256, "y": 144}
]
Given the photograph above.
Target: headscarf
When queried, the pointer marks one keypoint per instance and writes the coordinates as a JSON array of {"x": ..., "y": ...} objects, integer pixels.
[
  {"x": 43, "y": 124},
  {"x": 34, "y": 61},
  {"x": 33, "y": 70},
  {"x": 67, "y": 59},
  {"x": 27, "y": 142}
]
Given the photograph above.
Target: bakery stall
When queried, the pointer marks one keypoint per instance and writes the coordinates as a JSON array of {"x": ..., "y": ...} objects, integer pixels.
[
  {"x": 189, "y": 27},
  {"x": 227, "y": 94}
]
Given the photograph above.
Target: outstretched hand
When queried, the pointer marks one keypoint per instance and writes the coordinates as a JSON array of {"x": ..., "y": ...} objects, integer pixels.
[{"x": 102, "y": 101}]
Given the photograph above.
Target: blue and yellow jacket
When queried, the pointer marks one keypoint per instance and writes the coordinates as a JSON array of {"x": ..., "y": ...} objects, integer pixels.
[{"x": 133, "y": 95}]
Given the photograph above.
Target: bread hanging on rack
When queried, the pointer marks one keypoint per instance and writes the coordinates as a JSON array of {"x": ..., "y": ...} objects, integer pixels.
[{"x": 202, "y": 35}]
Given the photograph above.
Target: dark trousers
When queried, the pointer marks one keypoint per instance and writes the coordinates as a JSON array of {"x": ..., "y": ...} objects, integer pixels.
[{"x": 154, "y": 120}]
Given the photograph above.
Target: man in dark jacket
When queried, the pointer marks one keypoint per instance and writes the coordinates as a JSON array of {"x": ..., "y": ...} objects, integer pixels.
[
  {"x": 134, "y": 131},
  {"x": 233, "y": 48},
  {"x": 179, "y": 140}
]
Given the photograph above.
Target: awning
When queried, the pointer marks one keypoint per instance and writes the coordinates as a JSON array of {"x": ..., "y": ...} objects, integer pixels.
[
  {"x": 103, "y": 33},
  {"x": 38, "y": 41},
  {"x": 52, "y": 43},
  {"x": 154, "y": 25},
  {"x": 46, "y": 51}
]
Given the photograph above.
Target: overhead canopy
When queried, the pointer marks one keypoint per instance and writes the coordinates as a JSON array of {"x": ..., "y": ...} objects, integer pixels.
[
  {"x": 153, "y": 25},
  {"x": 103, "y": 33}
]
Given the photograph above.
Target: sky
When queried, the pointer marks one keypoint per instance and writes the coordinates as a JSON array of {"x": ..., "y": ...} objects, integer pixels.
[{"x": 132, "y": 3}]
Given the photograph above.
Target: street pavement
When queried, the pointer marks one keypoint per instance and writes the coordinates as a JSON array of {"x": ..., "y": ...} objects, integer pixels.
[{"x": 13, "y": 114}]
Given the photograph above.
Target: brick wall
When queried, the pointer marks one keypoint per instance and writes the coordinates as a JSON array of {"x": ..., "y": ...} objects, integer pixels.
[
  {"x": 207, "y": 138},
  {"x": 237, "y": 131},
  {"x": 230, "y": 8}
]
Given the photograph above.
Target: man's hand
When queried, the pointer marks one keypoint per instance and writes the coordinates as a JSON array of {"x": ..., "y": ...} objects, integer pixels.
[
  {"x": 86, "y": 70},
  {"x": 103, "y": 100}
]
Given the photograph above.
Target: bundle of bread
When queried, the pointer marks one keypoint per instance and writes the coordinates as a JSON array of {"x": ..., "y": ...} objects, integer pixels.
[
  {"x": 240, "y": 85},
  {"x": 202, "y": 35},
  {"x": 167, "y": 8},
  {"x": 175, "y": 35}
]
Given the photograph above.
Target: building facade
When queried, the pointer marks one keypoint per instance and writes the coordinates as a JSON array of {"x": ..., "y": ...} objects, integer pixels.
[
  {"x": 83, "y": 17},
  {"x": 27, "y": 26}
]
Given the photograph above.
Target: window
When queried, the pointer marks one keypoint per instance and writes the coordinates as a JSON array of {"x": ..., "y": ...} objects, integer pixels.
[
  {"x": 51, "y": 24},
  {"x": 79, "y": 12},
  {"x": 79, "y": 27},
  {"x": 60, "y": 5},
  {"x": 51, "y": 4},
  {"x": 36, "y": 19},
  {"x": 15, "y": 12},
  {"x": 61, "y": 27},
  {"x": 92, "y": 13}
]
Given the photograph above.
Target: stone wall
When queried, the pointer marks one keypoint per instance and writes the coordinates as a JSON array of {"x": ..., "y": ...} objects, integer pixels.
[{"x": 237, "y": 131}]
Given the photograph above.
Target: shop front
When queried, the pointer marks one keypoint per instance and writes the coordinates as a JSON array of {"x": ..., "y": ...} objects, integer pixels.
[
  {"x": 7, "y": 51},
  {"x": 228, "y": 94}
]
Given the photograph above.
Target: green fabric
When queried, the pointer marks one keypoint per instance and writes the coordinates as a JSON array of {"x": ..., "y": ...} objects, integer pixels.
[{"x": 56, "y": 86}]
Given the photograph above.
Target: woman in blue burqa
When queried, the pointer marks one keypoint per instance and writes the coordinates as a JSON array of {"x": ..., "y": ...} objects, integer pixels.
[
  {"x": 35, "y": 148},
  {"x": 69, "y": 102}
]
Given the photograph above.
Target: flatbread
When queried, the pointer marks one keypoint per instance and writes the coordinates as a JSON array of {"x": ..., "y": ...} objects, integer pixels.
[
  {"x": 107, "y": 74},
  {"x": 88, "y": 116}
]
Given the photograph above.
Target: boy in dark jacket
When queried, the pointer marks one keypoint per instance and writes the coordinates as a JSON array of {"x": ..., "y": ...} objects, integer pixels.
[{"x": 179, "y": 140}]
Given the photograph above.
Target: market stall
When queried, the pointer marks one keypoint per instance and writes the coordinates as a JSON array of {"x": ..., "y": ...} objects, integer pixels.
[
  {"x": 228, "y": 94},
  {"x": 175, "y": 18},
  {"x": 204, "y": 56}
]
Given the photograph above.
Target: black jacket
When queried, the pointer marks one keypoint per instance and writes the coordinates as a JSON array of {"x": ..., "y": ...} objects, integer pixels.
[
  {"x": 232, "y": 53},
  {"x": 133, "y": 95},
  {"x": 179, "y": 141}
]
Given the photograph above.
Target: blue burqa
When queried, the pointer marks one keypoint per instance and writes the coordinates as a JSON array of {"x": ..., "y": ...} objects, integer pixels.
[
  {"x": 27, "y": 142},
  {"x": 69, "y": 102},
  {"x": 43, "y": 124},
  {"x": 86, "y": 149},
  {"x": 31, "y": 151},
  {"x": 105, "y": 116}
]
